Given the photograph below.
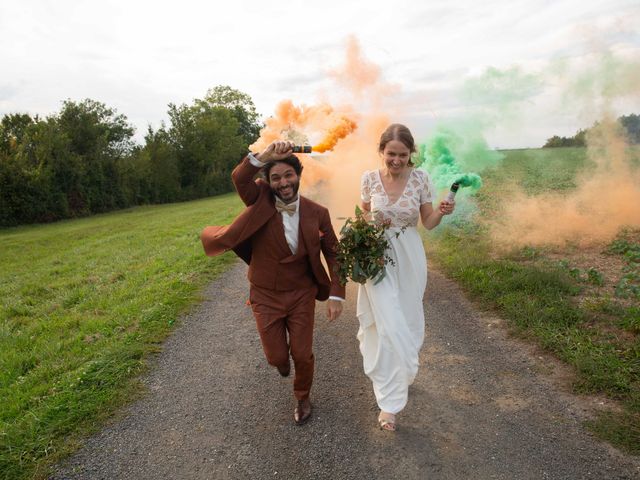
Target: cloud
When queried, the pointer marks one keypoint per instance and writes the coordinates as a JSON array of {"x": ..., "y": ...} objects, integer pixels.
[
  {"x": 7, "y": 91},
  {"x": 308, "y": 79}
]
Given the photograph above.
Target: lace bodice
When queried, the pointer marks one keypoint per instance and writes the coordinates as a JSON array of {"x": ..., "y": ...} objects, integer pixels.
[{"x": 404, "y": 212}]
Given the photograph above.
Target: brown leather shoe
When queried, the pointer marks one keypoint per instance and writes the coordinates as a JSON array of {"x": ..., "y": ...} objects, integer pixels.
[
  {"x": 285, "y": 370},
  {"x": 302, "y": 413}
]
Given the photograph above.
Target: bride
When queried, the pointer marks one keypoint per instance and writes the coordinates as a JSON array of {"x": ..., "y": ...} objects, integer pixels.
[{"x": 390, "y": 312}]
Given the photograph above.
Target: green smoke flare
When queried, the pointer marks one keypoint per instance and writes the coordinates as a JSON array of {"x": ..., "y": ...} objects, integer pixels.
[
  {"x": 444, "y": 166},
  {"x": 470, "y": 180}
]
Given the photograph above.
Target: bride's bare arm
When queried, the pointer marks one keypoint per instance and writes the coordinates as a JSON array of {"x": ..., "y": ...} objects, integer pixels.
[{"x": 431, "y": 218}]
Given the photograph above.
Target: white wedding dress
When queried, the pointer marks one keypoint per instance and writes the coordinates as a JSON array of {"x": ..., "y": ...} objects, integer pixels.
[{"x": 390, "y": 313}]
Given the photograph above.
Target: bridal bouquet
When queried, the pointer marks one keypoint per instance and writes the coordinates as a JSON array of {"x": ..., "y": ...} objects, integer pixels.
[{"x": 362, "y": 249}]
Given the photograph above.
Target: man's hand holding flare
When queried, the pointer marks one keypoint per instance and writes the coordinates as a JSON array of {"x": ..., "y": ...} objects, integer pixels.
[{"x": 278, "y": 150}]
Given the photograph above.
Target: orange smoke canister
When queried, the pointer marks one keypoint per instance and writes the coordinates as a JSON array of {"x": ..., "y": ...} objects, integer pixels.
[{"x": 302, "y": 149}]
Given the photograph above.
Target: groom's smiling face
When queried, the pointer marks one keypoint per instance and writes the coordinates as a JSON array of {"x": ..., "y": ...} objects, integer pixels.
[{"x": 284, "y": 182}]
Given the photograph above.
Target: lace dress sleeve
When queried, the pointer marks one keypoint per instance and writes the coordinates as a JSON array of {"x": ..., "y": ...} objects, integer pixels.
[
  {"x": 426, "y": 193},
  {"x": 365, "y": 188}
]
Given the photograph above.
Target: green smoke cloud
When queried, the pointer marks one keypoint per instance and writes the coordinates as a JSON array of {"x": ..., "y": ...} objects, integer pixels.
[
  {"x": 456, "y": 153},
  {"x": 497, "y": 95},
  {"x": 611, "y": 77},
  {"x": 470, "y": 180},
  {"x": 457, "y": 150}
]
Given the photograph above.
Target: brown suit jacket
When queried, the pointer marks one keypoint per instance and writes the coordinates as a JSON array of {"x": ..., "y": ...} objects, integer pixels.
[{"x": 315, "y": 231}]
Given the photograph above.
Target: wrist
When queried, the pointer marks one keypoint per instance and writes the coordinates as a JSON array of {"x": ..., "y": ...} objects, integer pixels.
[{"x": 255, "y": 160}]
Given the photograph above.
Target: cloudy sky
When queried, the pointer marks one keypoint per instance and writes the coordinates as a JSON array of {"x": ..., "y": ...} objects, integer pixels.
[{"x": 137, "y": 56}]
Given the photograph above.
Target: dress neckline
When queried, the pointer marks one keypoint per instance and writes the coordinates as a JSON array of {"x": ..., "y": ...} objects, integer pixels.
[{"x": 403, "y": 190}]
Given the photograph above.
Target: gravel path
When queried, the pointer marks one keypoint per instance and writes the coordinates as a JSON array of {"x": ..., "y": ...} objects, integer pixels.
[{"x": 483, "y": 406}]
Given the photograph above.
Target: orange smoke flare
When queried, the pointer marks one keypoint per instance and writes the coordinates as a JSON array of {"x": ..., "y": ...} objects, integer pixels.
[
  {"x": 291, "y": 122},
  {"x": 344, "y": 128}
]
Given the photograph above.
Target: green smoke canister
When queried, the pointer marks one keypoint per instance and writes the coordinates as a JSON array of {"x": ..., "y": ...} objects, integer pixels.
[{"x": 452, "y": 192}]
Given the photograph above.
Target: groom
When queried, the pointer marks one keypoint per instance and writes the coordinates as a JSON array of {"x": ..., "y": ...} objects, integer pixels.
[{"x": 280, "y": 235}]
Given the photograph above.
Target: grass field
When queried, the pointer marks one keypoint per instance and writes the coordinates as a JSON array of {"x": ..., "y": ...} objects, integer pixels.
[
  {"x": 83, "y": 304},
  {"x": 582, "y": 304}
]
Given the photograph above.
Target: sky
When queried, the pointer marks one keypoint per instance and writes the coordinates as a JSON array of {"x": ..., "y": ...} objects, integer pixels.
[{"x": 440, "y": 60}]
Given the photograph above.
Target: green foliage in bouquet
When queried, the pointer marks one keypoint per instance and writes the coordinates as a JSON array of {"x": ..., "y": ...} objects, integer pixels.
[{"x": 362, "y": 249}]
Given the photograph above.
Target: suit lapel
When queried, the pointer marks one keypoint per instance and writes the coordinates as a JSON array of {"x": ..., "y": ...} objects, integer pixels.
[{"x": 308, "y": 226}]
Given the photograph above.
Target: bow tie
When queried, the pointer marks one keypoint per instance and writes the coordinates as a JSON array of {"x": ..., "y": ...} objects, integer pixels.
[{"x": 290, "y": 208}]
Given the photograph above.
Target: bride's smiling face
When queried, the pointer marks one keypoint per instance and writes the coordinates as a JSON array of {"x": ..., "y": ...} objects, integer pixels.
[{"x": 396, "y": 156}]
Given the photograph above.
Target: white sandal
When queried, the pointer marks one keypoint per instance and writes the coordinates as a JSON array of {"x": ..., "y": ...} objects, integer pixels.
[{"x": 387, "y": 421}]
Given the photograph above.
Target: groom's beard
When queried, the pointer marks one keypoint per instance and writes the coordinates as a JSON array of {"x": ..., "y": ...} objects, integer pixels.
[{"x": 287, "y": 194}]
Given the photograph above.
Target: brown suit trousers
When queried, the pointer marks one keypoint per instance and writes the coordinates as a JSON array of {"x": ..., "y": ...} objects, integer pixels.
[
  {"x": 289, "y": 313},
  {"x": 284, "y": 304}
]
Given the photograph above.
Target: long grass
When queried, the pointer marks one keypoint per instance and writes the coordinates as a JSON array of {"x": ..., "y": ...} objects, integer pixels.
[{"x": 84, "y": 302}]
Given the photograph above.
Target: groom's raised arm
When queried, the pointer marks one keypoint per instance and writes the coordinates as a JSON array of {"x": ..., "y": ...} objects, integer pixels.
[{"x": 243, "y": 179}]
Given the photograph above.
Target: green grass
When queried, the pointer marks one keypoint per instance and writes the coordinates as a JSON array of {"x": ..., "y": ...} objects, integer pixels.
[
  {"x": 541, "y": 169},
  {"x": 83, "y": 304},
  {"x": 539, "y": 297}
]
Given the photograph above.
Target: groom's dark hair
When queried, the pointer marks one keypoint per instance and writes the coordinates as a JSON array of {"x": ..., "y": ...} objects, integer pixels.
[{"x": 291, "y": 160}]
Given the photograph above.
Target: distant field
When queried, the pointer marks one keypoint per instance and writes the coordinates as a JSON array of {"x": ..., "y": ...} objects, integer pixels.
[
  {"x": 543, "y": 169},
  {"x": 83, "y": 302},
  {"x": 581, "y": 304}
]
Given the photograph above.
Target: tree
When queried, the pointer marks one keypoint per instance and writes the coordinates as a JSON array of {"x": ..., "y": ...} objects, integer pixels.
[
  {"x": 578, "y": 140},
  {"x": 94, "y": 129},
  {"x": 100, "y": 138},
  {"x": 155, "y": 169},
  {"x": 35, "y": 173},
  {"x": 631, "y": 124},
  {"x": 554, "y": 142},
  {"x": 242, "y": 107},
  {"x": 208, "y": 145},
  {"x": 12, "y": 130}
]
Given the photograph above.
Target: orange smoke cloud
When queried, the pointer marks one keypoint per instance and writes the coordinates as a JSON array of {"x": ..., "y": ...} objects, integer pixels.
[
  {"x": 357, "y": 74},
  {"x": 347, "y": 130},
  {"x": 607, "y": 196},
  {"x": 606, "y": 199},
  {"x": 336, "y": 133}
]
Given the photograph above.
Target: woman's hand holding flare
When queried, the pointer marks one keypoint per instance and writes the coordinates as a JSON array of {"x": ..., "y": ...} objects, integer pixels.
[
  {"x": 431, "y": 216},
  {"x": 446, "y": 207}
]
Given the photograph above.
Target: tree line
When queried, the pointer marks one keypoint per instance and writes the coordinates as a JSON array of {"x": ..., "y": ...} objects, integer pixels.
[
  {"x": 83, "y": 160},
  {"x": 629, "y": 123}
]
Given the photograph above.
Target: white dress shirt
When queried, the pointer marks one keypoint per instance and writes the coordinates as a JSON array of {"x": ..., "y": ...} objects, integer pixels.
[{"x": 291, "y": 224}]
